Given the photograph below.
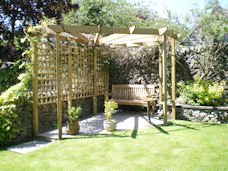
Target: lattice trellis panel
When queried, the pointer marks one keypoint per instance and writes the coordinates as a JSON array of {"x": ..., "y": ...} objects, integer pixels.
[
  {"x": 82, "y": 69},
  {"x": 64, "y": 55},
  {"x": 82, "y": 72},
  {"x": 101, "y": 74},
  {"x": 46, "y": 70}
]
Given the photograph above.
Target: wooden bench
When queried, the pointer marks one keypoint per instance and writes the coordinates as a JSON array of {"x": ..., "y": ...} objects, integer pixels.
[{"x": 136, "y": 95}]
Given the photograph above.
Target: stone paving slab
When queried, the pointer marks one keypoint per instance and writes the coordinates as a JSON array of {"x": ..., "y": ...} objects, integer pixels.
[
  {"x": 90, "y": 126},
  {"x": 94, "y": 125},
  {"x": 29, "y": 146}
]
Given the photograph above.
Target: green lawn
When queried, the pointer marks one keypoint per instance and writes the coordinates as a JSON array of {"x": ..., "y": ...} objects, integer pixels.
[{"x": 179, "y": 146}]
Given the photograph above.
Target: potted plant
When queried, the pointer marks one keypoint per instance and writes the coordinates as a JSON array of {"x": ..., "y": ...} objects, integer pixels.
[
  {"x": 110, "y": 108},
  {"x": 72, "y": 125}
]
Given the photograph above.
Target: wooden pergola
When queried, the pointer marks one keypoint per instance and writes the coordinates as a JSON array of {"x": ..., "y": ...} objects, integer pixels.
[{"x": 114, "y": 37}]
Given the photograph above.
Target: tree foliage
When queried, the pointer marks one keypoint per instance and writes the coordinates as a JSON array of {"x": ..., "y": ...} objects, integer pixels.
[
  {"x": 210, "y": 52},
  {"x": 212, "y": 19},
  {"x": 119, "y": 13},
  {"x": 17, "y": 14}
]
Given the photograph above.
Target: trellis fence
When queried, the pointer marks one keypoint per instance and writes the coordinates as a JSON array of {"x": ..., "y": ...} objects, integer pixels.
[{"x": 64, "y": 70}]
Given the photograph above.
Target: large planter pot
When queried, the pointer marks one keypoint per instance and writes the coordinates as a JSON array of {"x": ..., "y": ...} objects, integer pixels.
[
  {"x": 72, "y": 128},
  {"x": 110, "y": 125}
]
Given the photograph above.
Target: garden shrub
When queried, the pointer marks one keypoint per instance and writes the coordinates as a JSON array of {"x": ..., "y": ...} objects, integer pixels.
[
  {"x": 200, "y": 92},
  {"x": 9, "y": 75},
  {"x": 17, "y": 94}
]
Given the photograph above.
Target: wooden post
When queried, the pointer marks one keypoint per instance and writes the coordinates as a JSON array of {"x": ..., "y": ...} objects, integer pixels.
[
  {"x": 35, "y": 89},
  {"x": 69, "y": 75},
  {"x": 95, "y": 81},
  {"x": 160, "y": 73},
  {"x": 173, "y": 79},
  {"x": 106, "y": 85},
  {"x": 58, "y": 78},
  {"x": 164, "y": 60}
]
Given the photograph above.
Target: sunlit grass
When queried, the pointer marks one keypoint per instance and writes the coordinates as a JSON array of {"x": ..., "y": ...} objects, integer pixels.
[{"x": 179, "y": 146}]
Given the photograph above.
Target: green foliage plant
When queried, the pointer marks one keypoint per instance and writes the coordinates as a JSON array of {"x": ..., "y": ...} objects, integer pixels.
[
  {"x": 9, "y": 75},
  {"x": 74, "y": 113},
  {"x": 200, "y": 92},
  {"x": 110, "y": 108},
  {"x": 15, "y": 95}
]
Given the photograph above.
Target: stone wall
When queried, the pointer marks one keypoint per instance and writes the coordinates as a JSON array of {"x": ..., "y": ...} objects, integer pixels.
[
  {"x": 197, "y": 115},
  {"x": 141, "y": 66},
  {"x": 210, "y": 116},
  {"x": 48, "y": 116},
  {"x": 25, "y": 125}
]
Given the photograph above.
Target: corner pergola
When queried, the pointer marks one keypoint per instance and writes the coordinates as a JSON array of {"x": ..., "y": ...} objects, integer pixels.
[{"x": 63, "y": 67}]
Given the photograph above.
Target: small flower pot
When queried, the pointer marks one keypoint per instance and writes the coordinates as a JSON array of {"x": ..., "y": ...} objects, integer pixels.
[
  {"x": 72, "y": 128},
  {"x": 110, "y": 125}
]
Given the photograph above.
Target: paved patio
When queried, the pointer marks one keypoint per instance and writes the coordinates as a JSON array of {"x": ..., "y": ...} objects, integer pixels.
[
  {"x": 94, "y": 125},
  {"x": 90, "y": 126}
]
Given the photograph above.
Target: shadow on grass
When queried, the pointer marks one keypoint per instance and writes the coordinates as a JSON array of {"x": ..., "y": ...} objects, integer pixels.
[
  {"x": 160, "y": 129},
  {"x": 135, "y": 130},
  {"x": 181, "y": 125}
]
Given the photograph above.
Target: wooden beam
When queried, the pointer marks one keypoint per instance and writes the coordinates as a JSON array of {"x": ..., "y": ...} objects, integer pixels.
[
  {"x": 111, "y": 38},
  {"x": 107, "y": 30},
  {"x": 103, "y": 29},
  {"x": 164, "y": 60},
  {"x": 84, "y": 39},
  {"x": 129, "y": 39},
  {"x": 160, "y": 73},
  {"x": 173, "y": 79},
  {"x": 162, "y": 31},
  {"x": 35, "y": 88},
  {"x": 135, "y": 39},
  {"x": 96, "y": 39},
  {"x": 58, "y": 78},
  {"x": 131, "y": 29},
  {"x": 170, "y": 33},
  {"x": 62, "y": 38},
  {"x": 95, "y": 82},
  {"x": 69, "y": 76}
]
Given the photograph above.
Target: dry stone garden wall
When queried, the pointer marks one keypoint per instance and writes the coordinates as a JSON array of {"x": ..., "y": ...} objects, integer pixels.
[
  {"x": 218, "y": 116},
  {"x": 196, "y": 115}
]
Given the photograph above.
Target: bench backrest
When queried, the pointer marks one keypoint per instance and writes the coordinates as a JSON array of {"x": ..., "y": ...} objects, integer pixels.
[{"x": 132, "y": 91}]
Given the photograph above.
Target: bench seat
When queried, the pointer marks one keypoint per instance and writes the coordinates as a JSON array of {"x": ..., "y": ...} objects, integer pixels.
[
  {"x": 130, "y": 102},
  {"x": 135, "y": 95}
]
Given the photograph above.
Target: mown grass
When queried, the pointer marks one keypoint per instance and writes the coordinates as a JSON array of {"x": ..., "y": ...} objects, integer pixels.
[{"x": 179, "y": 146}]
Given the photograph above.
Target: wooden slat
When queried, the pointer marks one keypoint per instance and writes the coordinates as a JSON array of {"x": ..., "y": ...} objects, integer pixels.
[
  {"x": 35, "y": 88},
  {"x": 173, "y": 79},
  {"x": 134, "y": 85},
  {"x": 69, "y": 76},
  {"x": 164, "y": 60},
  {"x": 160, "y": 73},
  {"x": 130, "y": 102},
  {"x": 107, "y": 86},
  {"x": 95, "y": 82},
  {"x": 132, "y": 92},
  {"x": 59, "y": 101}
]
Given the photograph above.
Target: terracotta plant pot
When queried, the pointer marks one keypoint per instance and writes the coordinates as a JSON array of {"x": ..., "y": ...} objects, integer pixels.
[
  {"x": 72, "y": 128},
  {"x": 110, "y": 125}
]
